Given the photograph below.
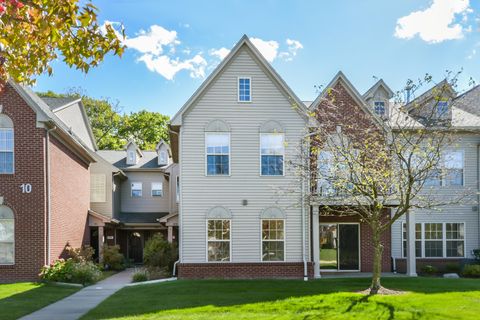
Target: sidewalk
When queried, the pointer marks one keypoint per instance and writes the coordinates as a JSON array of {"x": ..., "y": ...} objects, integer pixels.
[{"x": 78, "y": 304}]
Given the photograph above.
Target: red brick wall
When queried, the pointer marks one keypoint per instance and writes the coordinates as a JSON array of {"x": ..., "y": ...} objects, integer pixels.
[
  {"x": 70, "y": 195},
  {"x": 292, "y": 270},
  {"x": 366, "y": 248},
  {"x": 29, "y": 209}
]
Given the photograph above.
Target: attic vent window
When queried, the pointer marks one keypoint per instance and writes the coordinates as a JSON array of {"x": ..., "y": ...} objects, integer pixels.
[
  {"x": 379, "y": 107},
  {"x": 442, "y": 108},
  {"x": 131, "y": 156},
  {"x": 163, "y": 157},
  {"x": 244, "y": 89}
]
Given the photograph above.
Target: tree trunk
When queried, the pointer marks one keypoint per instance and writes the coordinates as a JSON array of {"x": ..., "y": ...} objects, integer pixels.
[{"x": 377, "y": 260}]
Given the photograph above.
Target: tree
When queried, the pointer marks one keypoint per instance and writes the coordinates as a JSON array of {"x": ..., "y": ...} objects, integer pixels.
[
  {"x": 363, "y": 165},
  {"x": 34, "y": 32},
  {"x": 145, "y": 128}
]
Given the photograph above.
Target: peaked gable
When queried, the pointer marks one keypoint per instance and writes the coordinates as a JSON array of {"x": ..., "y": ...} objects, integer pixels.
[{"x": 380, "y": 84}]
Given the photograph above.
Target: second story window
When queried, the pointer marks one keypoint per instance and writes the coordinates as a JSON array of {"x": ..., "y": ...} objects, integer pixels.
[
  {"x": 453, "y": 168},
  {"x": 218, "y": 154},
  {"x": 442, "y": 108},
  {"x": 244, "y": 90},
  {"x": 136, "y": 191},
  {"x": 6, "y": 145},
  {"x": 379, "y": 108},
  {"x": 272, "y": 151},
  {"x": 157, "y": 189},
  {"x": 163, "y": 157}
]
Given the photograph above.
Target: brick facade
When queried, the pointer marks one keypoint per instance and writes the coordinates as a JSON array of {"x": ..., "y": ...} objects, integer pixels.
[
  {"x": 440, "y": 264},
  {"x": 284, "y": 270}
]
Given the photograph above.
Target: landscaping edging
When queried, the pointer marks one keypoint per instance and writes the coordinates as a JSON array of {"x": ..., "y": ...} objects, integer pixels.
[
  {"x": 150, "y": 282},
  {"x": 64, "y": 284}
]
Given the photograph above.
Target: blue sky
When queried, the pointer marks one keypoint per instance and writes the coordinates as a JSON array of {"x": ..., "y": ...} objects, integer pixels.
[{"x": 174, "y": 45}]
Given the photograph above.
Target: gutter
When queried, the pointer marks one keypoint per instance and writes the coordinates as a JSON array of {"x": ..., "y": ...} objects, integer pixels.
[{"x": 49, "y": 202}]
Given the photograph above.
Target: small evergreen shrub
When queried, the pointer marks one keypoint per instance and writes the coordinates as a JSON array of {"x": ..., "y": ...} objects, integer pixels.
[
  {"x": 471, "y": 271},
  {"x": 476, "y": 253},
  {"x": 159, "y": 253},
  {"x": 112, "y": 258},
  {"x": 140, "y": 276},
  {"x": 452, "y": 267},
  {"x": 429, "y": 270}
]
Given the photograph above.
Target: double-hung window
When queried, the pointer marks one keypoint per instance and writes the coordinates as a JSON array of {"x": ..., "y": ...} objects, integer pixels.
[
  {"x": 6, "y": 150},
  {"x": 455, "y": 239},
  {"x": 7, "y": 235},
  {"x": 453, "y": 171},
  {"x": 418, "y": 240},
  {"x": 244, "y": 89},
  {"x": 157, "y": 189},
  {"x": 433, "y": 240},
  {"x": 272, "y": 151},
  {"x": 273, "y": 240},
  {"x": 218, "y": 240},
  {"x": 218, "y": 154},
  {"x": 163, "y": 157},
  {"x": 379, "y": 107},
  {"x": 325, "y": 173},
  {"x": 442, "y": 108},
  {"x": 136, "y": 189}
]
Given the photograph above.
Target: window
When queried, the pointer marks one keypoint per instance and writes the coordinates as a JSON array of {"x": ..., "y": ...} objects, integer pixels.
[
  {"x": 273, "y": 240},
  {"x": 325, "y": 167},
  {"x": 453, "y": 161},
  {"x": 379, "y": 107},
  {"x": 6, "y": 148},
  {"x": 7, "y": 235},
  {"x": 272, "y": 151},
  {"x": 442, "y": 108},
  {"x": 418, "y": 240},
  {"x": 218, "y": 153},
  {"x": 433, "y": 240},
  {"x": 434, "y": 178},
  {"x": 177, "y": 190},
  {"x": 455, "y": 239},
  {"x": 157, "y": 189},
  {"x": 136, "y": 189},
  {"x": 218, "y": 240},
  {"x": 98, "y": 187},
  {"x": 131, "y": 157},
  {"x": 244, "y": 90},
  {"x": 163, "y": 157}
]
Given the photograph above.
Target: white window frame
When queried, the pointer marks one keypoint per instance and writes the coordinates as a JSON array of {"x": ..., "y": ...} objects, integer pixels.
[
  {"x": 229, "y": 240},
  {"x": 238, "y": 90},
  {"x": 444, "y": 240},
  {"x": 163, "y": 154},
  {"x": 161, "y": 189},
  {"x": 260, "y": 152},
  {"x": 229, "y": 154},
  {"x": 384, "y": 107},
  {"x": 276, "y": 240},
  {"x": 13, "y": 152},
  {"x": 12, "y": 242},
  {"x": 444, "y": 168},
  {"x": 141, "y": 189},
  {"x": 131, "y": 156}
]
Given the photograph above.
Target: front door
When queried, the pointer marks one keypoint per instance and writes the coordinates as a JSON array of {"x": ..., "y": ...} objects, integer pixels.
[
  {"x": 135, "y": 246},
  {"x": 339, "y": 247}
]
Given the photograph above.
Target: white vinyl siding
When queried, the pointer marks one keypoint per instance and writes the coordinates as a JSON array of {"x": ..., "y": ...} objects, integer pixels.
[
  {"x": 200, "y": 192},
  {"x": 98, "y": 183}
]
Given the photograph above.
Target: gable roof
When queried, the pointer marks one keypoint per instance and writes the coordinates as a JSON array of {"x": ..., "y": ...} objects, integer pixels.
[
  {"x": 118, "y": 158},
  {"x": 428, "y": 94},
  {"x": 56, "y": 103},
  {"x": 374, "y": 88},
  {"x": 131, "y": 142},
  {"x": 469, "y": 101},
  {"x": 340, "y": 77},
  {"x": 244, "y": 41}
]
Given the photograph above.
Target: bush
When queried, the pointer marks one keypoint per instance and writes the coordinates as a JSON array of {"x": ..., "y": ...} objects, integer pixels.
[
  {"x": 471, "y": 270},
  {"x": 82, "y": 254},
  {"x": 476, "y": 253},
  {"x": 83, "y": 272},
  {"x": 429, "y": 270},
  {"x": 140, "y": 276},
  {"x": 112, "y": 258},
  {"x": 452, "y": 267},
  {"x": 159, "y": 253}
]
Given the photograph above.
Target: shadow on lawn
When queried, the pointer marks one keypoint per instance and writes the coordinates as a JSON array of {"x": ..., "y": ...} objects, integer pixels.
[{"x": 239, "y": 293}]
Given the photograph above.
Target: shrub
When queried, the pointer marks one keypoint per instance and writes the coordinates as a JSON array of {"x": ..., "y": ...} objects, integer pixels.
[
  {"x": 471, "y": 270},
  {"x": 159, "y": 253},
  {"x": 452, "y": 267},
  {"x": 112, "y": 258},
  {"x": 84, "y": 272},
  {"x": 476, "y": 253},
  {"x": 430, "y": 270},
  {"x": 156, "y": 273},
  {"x": 140, "y": 276},
  {"x": 82, "y": 254}
]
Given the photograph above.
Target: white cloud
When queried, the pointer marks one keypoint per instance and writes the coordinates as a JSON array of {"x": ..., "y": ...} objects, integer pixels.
[
  {"x": 437, "y": 23},
  {"x": 269, "y": 49},
  {"x": 153, "y": 40},
  {"x": 293, "y": 47},
  {"x": 168, "y": 67},
  {"x": 220, "y": 53}
]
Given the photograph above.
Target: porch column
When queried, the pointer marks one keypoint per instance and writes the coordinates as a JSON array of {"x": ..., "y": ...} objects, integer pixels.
[
  {"x": 411, "y": 258},
  {"x": 100, "y": 243},
  {"x": 170, "y": 234},
  {"x": 316, "y": 241}
]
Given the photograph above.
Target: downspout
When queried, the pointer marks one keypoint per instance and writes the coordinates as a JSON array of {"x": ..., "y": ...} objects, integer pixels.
[{"x": 49, "y": 205}]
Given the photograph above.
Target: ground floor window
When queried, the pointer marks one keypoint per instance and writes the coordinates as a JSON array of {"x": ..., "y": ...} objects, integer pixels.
[
  {"x": 273, "y": 240},
  {"x": 218, "y": 240},
  {"x": 7, "y": 235},
  {"x": 437, "y": 240}
]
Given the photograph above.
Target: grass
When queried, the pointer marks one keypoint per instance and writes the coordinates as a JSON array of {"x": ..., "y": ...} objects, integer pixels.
[
  {"x": 107, "y": 273},
  {"x": 19, "y": 299},
  {"x": 428, "y": 298}
]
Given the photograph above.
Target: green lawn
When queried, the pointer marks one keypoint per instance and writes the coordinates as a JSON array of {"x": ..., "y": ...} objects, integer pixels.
[
  {"x": 19, "y": 299},
  {"x": 428, "y": 298}
]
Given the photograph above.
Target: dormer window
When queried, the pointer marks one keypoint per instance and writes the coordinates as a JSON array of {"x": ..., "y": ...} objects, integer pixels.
[
  {"x": 244, "y": 89},
  {"x": 131, "y": 157},
  {"x": 163, "y": 158},
  {"x": 442, "y": 108},
  {"x": 379, "y": 107}
]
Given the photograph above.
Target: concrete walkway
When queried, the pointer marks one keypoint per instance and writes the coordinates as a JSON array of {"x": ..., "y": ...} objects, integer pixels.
[{"x": 78, "y": 304}]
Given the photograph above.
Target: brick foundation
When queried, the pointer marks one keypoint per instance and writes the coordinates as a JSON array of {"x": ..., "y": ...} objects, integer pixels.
[
  {"x": 440, "y": 264},
  {"x": 284, "y": 270}
]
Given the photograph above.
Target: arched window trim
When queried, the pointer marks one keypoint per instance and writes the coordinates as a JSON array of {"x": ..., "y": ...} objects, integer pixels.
[
  {"x": 6, "y": 215},
  {"x": 7, "y": 144},
  {"x": 219, "y": 212},
  {"x": 273, "y": 213},
  {"x": 272, "y": 126},
  {"x": 217, "y": 125}
]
